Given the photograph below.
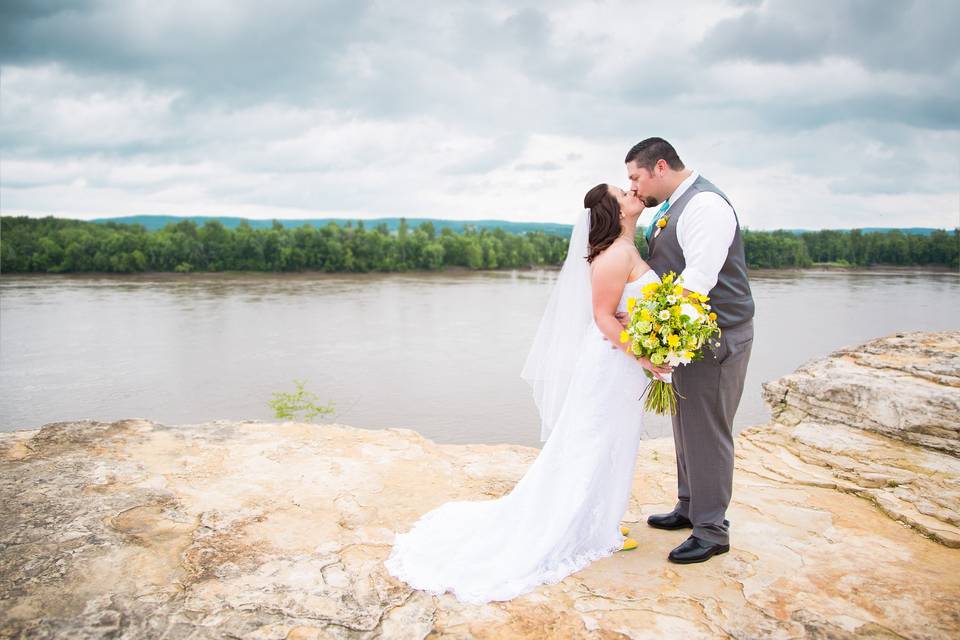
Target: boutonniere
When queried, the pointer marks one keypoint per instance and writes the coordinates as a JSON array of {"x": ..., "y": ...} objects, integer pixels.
[{"x": 661, "y": 223}]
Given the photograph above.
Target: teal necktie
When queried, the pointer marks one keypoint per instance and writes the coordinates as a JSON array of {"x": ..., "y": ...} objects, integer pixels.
[{"x": 656, "y": 218}]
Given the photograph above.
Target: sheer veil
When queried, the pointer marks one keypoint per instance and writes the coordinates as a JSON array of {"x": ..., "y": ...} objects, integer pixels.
[{"x": 549, "y": 365}]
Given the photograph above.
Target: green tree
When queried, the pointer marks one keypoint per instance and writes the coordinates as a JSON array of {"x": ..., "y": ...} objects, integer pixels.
[{"x": 58, "y": 245}]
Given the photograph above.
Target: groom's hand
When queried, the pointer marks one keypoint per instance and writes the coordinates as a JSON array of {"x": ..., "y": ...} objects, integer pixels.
[{"x": 623, "y": 319}]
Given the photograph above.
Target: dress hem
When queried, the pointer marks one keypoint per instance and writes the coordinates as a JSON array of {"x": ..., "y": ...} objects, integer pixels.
[{"x": 396, "y": 567}]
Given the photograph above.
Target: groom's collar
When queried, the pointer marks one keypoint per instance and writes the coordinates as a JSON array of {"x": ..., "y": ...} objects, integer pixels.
[{"x": 683, "y": 186}]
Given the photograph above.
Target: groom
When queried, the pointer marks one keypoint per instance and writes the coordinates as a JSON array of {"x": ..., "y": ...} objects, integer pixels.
[{"x": 696, "y": 234}]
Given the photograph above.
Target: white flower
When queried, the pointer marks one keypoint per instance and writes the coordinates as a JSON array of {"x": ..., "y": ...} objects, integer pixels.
[
  {"x": 672, "y": 299},
  {"x": 664, "y": 315},
  {"x": 673, "y": 358},
  {"x": 687, "y": 309}
]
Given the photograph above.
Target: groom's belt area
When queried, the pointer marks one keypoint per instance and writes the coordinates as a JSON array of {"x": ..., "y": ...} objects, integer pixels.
[
  {"x": 733, "y": 310},
  {"x": 735, "y": 326}
]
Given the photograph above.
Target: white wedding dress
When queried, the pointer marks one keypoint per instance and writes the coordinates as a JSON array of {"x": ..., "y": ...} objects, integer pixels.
[{"x": 563, "y": 513}]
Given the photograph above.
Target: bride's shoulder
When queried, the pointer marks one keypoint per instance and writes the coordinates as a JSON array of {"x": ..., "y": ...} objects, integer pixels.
[
  {"x": 617, "y": 251},
  {"x": 612, "y": 264},
  {"x": 617, "y": 255}
]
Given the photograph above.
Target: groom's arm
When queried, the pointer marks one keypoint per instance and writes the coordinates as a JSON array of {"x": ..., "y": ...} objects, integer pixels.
[{"x": 705, "y": 232}]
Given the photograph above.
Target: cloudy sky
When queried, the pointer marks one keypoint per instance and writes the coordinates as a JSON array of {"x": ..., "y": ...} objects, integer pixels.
[{"x": 814, "y": 114}]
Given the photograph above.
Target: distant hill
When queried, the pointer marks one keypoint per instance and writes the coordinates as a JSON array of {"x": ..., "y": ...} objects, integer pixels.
[{"x": 153, "y": 223}]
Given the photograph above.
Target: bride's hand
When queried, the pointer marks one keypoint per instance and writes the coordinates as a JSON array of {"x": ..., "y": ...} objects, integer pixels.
[{"x": 658, "y": 371}]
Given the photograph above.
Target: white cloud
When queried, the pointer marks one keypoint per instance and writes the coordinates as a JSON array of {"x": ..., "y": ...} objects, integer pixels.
[{"x": 470, "y": 110}]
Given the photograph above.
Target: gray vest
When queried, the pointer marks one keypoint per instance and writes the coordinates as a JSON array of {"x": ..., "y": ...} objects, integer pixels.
[{"x": 730, "y": 298}]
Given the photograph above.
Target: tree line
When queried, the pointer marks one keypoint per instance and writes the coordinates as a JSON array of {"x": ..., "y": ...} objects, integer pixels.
[
  {"x": 779, "y": 249},
  {"x": 58, "y": 245}
]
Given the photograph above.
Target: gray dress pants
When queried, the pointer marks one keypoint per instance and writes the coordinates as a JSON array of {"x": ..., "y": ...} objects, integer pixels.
[{"x": 703, "y": 431}]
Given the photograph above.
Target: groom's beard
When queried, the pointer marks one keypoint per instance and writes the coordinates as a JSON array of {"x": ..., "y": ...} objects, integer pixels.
[{"x": 650, "y": 201}]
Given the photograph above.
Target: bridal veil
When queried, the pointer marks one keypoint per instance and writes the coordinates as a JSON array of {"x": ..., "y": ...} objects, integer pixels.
[{"x": 569, "y": 311}]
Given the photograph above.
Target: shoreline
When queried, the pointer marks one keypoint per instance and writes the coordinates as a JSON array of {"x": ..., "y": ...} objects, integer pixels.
[
  {"x": 827, "y": 267},
  {"x": 31, "y": 431},
  {"x": 816, "y": 268}
]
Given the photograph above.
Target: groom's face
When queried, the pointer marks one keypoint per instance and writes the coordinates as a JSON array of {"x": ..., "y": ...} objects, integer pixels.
[{"x": 645, "y": 184}]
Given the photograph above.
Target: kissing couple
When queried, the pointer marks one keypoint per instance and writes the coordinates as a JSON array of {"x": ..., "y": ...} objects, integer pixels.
[{"x": 565, "y": 511}]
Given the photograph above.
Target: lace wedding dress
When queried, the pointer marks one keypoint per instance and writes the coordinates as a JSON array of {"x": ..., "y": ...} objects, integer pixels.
[{"x": 563, "y": 513}]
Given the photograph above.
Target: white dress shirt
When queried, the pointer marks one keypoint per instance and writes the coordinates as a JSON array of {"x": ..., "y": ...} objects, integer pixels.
[{"x": 705, "y": 232}]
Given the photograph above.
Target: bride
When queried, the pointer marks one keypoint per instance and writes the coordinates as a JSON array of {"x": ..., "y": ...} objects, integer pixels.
[{"x": 565, "y": 511}]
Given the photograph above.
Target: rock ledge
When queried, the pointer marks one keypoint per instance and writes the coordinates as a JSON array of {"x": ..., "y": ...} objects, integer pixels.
[{"x": 845, "y": 523}]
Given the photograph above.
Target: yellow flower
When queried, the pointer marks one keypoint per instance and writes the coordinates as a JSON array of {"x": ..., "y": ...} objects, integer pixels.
[
  {"x": 678, "y": 290},
  {"x": 631, "y": 303},
  {"x": 673, "y": 340},
  {"x": 650, "y": 288},
  {"x": 662, "y": 222},
  {"x": 712, "y": 316},
  {"x": 645, "y": 315},
  {"x": 624, "y": 336},
  {"x": 689, "y": 354}
]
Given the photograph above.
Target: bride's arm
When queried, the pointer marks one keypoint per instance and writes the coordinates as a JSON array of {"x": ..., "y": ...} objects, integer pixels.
[{"x": 609, "y": 276}]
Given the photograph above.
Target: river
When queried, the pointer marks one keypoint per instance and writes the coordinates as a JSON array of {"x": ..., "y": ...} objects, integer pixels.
[{"x": 437, "y": 352}]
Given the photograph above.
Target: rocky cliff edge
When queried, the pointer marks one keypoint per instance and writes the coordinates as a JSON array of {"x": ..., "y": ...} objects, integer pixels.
[{"x": 845, "y": 523}]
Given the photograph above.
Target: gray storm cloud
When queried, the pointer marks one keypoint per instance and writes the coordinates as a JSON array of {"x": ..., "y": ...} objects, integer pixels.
[{"x": 818, "y": 114}]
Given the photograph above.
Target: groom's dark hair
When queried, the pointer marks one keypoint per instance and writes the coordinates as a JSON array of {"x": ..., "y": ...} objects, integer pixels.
[{"x": 646, "y": 153}]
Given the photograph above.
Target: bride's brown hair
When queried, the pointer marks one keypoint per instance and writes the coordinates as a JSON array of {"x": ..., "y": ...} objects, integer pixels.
[{"x": 604, "y": 219}]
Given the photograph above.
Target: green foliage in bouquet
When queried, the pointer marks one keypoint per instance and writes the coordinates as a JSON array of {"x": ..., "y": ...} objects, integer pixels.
[
  {"x": 286, "y": 405},
  {"x": 668, "y": 327}
]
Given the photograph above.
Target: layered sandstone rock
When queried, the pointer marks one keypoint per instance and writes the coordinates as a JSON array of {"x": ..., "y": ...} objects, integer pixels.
[
  {"x": 844, "y": 524},
  {"x": 843, "y": 422}
]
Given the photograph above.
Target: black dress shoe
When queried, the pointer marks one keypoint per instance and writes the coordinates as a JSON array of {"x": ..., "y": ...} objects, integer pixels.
[
  {"x": 693, "y": 549},
  {"x": 672, "y": 521},
  {"x": 669, "y": 521}
]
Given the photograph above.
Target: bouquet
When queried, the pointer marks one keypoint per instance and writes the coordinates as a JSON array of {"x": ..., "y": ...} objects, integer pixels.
[{"x": 668, "y": 327}]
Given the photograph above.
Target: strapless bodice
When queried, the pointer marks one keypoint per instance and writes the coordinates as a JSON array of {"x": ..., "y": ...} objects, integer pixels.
[{"x": 632, "y": 289}]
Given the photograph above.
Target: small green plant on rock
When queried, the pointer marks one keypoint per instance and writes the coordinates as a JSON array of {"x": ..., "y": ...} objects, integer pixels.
[{"x": 286, "y": 405}]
